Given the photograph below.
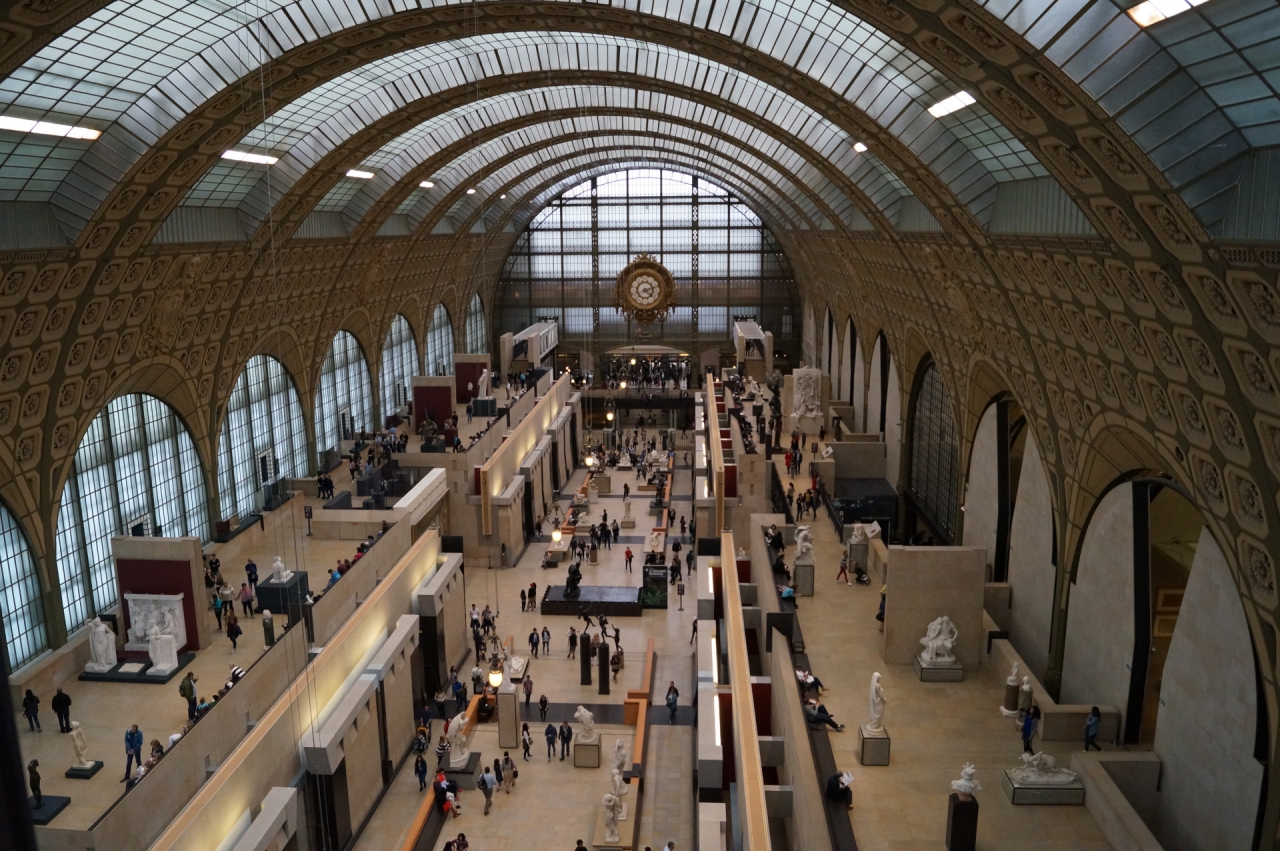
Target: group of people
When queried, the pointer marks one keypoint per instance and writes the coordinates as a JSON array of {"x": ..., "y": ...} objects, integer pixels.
[
  {"x": 805, "y": 501},
  {"x": 223, "y": 598},
  {"x": 61, "y": 704},
  {"x": 345, "y": 564}
]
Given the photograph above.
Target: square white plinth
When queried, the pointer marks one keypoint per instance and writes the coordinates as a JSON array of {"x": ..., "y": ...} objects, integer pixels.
[
  {"x": 873, "y": 748},
  {"x": 1064, "y": 794},
  {"x": 948, "y": 674}
]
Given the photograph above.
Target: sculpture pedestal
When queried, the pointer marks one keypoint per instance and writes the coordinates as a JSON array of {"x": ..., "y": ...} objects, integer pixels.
[
  {"x": 873, "y": 748},
  {"x": 287, "y": 599},
  {"x": 627, "y": 830},
  {"x": 628, "y": 523},
  {"x": 50, "y": 806},
  {"x": 1060, "y": 794},
  {"x": 1010, "y": 707},
  {"x": 508, "y": 716},
  {"x": 962, "y": 822},
  {"x": 803, "y": 576},
  {"x": 586, "y": 755},
  {"x": 953, "y": 673},
  {"x": 465, "y": 775},
  {"x": 79, "y": 772}
]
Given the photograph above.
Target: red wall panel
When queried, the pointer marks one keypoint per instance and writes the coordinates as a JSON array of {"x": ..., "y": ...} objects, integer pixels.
[{"x": 154, "y": 576}]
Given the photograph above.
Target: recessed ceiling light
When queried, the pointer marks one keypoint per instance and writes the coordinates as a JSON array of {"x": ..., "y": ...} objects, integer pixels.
[
  {"x": 959, "y": 100},
  {"x": 1155, "y": 11},
  {"x": 426, "y": 184},
  {"x": 471, "y": 192},
  {"x": 859, "y": 147},
  {"x": 502, "y": 196},
  {"x": 245, "y": 157},
  {"x": 45, "y": 128},
  {"x": 362, "y": 175}
]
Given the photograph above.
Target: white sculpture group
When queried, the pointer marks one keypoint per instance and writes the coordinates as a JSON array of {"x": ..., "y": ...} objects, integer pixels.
[
  {"x": 1040, "y": 769},
  {"x": 804, "y": 545},
  {"x": 807, "y": 399},
  {"x": 587, "y": 730},
  {"x": 459, "y": 753},
  {"x": 938, "y": 643},
  {"x": 158, "y": 626},
  {"x": 614, "y": 809}
]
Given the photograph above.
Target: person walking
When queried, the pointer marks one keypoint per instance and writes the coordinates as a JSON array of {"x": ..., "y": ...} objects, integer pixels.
[
  {"x": 420, "y": 771},
  {"x": 628, "y": 555},
  {"x": 566, "y": 736},
  {"x": 509, "y": 770},
  {"x": 880, "y": 614},
  {"x": 546, "y": 641},
  {"x": 251, "y": 576},
  {"x": 187, "y": 688},
  {"x": 246, "y": 599},
  {"x": 542, "y": 707},
  {"x": 61, "y": 704},
  {"x": 844, "y": 569},
  {"x": 1090, "y": 728},
  {"x": 528, "y": 690},
  {"x": 217, "y": 609},
  {"x": 442, "y": 753},
  {"x": 550, "y": 733},
  {"x": 30, "y": 708},
  {"x": 573, "y": 643},
  {"x": 672, "y": 701},
  {"x": 486, "y": 784},
  {"x": 522, "y": 600},
  {"x": 132, "y": 750},
  {"x": 535, "y": 641},
  {"x": 233, "y": 630},
  {"x": 1029, "y": 728},
  {"x": 526, "y": 741}
]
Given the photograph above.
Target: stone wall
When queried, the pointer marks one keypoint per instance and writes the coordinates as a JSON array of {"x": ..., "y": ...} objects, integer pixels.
[{"x": 1031, "y": 570}]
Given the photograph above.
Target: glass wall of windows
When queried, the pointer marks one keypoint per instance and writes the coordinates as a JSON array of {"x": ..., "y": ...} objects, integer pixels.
[
  {"x": 135, "y": 470},
  {"x": 725, "y": 262},
  {"x": 264, "y": 414},
  {"x": 20, "y": 603},
  {"x": 935, "y": 455},
  {"x": 477, "y": 328},
  {"x": 440, "y": 343},
  {"x": 399, "y": 364},
  {"x": 344, "y": 401}
]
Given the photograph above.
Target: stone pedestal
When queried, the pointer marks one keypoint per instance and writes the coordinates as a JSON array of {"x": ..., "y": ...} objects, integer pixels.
[
  {"x": 1010, "y": 707},
  {"x": 80, "y": 772},
  {"x": 508, "y": 716},
  {"x": 873, "y": 748},
  {"x": 50, "y": 806},
  {"x": 465, "y": 775},
  {"x": 803, "y": 576},
  {"x": 628, "y": 523},
  {"x": 287, "y": 599},
  {"x": 962, "y": 822},
  {"x": 1060, "y": 794},
  {"x": 584, "y": 659},
  {"x": 602, "y": 656},
  {"x": 586, "y": 755},
  {"x": 939, "y": 674}
]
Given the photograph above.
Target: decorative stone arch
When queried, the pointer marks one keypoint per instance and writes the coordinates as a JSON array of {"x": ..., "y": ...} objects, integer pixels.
[{"x": 941, "y": 512}]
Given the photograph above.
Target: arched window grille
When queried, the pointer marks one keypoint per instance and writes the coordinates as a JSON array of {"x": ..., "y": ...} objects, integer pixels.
[
  {"x": 344, "y": 400},
  {"x": 440, "y": 343},
  {"x": 136, "y": 470},
  {"x": 399, "y": 364},
  {"x": 935, "y": 455},
  {"x": 20, "y": 602},
  {"x": 264, "y": 415},
  {"x": 477, "y": 328}
]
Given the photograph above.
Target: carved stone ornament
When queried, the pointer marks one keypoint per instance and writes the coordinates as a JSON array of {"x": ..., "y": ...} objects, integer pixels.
[{"x": 645, "y": 291}]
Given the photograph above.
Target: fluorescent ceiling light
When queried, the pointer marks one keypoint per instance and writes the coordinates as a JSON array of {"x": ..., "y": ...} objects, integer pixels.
[
  {"x": 45, "y": 128},
  {"x": 243, "y": 157},
  {"x": 426, "y": 184},
  {"x": 471, "y": 192},
  {"x": 363, "y": 175},
  {"x": 1155, "y": 11},
  {"x": 959, "y": 100},
  {"x": 859, "y": 147},
  {"x": 501, "y": 196}
]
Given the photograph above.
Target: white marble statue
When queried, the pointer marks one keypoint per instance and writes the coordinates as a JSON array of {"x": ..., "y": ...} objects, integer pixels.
[
  {"x": 1012, "y": 680},
  {"x": 804, "y": 545},
  {"x": 1041, "y": 770},
  {"x": 485, "y": 384},
  {"x": 163, "y": 650},
  {"x": 938, "y": 642},
  {"x": 278, "y": 573},
  {"x": 459, "y": 753},
  {"x": 742, "y": 554},
  {"x": 876, "y": 705},
  {"x": 587, "y": 733},
  {"x": 619, "y": 755},
  {"x": 155, "y": 614},
  {"x": 102, "y": 647},
  {"x": 807, "y": 400},
  {"x": 626, "y": 507},
  {"x": 80, "y": 746},
  {"x": 966, "y": 785},
  {"x": 515, "y": 666},
  {"x": 612, "y": 809},
  {"x": 619, "y": 784},
  {"x": 655, "y": 542}
]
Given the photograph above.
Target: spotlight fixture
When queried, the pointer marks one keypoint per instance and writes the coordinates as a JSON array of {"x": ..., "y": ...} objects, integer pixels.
[
  {"x": 47, "y": 128},
  {"x": 502, "y": 196},
  {"x": 957, "y": 101},
  {"x": 426, "y": 184},
  {"x": 361, "y": 175},
  {"x": 245, "y": 157}
]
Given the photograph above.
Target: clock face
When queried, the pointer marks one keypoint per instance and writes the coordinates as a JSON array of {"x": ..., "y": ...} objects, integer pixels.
[{"x": 645, "y": 291}]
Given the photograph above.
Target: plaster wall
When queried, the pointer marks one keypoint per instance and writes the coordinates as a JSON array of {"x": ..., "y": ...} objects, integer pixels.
[
  {"x": 846, "y": 361},
  {"x": 926, "y": 583},
  {"x": 1031, "y": 570},
  {"x": 893, "y": 428},
  {"x": 981, "y": 501},
  {"x": 397, "y": 688},
  {"x": 859, "y": 390},
  {"x": 1208, "y": 715},
  {"x": 362, "y": 755},
  {"x": 875, "y": 395},
  {"x": 1099, "y": 643},
  {"x": 807, "y": 823}
]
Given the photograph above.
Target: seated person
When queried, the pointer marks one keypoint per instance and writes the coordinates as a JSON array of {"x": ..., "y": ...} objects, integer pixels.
[
  {"x": 786, "y": 592},
  {"x": 816, "y": 713},
  {"x": 838, "y": 789},
  {"x": 808, "y": 680}
]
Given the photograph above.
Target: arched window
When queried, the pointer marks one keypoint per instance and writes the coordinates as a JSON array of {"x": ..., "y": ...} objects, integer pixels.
[
  {"x": 440, "y": 343},
  {"x": 477, "y": 328},
  {"x": 399, "y": 364},
  {"x": 136, "y": 468},
  {"x": 935, "y": 454},
  {"x": 20, "y": 604},
  {"x": 264, "y": 414},
  {"x": 343, "y": 399}
]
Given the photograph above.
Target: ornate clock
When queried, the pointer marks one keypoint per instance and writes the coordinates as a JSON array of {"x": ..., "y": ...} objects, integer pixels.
[{"x": 645, "y": 291}]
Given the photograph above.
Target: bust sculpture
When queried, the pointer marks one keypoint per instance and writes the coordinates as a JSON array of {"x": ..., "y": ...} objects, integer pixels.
[
  {"x": 80, "y": 746},
  {"x": 587, "y": 734},
  {"x": 619, "y": 755},
  {"x": 938, "y": 641},
  {"x": 1040, "y": 769},
  {"x": 1013, "y": 675},
  {"x": 966, "y": 785},
  {"x": 278, "y": 573},
  {"x": 102, "y": 647},
  {"x": 619, "y": 785},
  {"x": 612, "y": 810},
  {"x": 459, "y": 753},
  {"x": 876, "y": 705}
]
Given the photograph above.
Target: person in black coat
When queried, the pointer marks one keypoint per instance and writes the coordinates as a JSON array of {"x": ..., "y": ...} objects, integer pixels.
[
  {"x": 61, "y": 704},
  {"x": 30, "y": 708},
  {"x": 837, "y": 791}
]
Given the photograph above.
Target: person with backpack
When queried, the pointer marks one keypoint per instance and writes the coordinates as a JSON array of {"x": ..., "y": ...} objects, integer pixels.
[
  {"x": 233, "y": 629},
  {"x": 217, "y": 609},
  {"x": 187, "y": 688}
]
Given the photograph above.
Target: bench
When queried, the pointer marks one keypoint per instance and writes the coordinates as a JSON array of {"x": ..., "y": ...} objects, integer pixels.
[{"x": 342, "y": 500}]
